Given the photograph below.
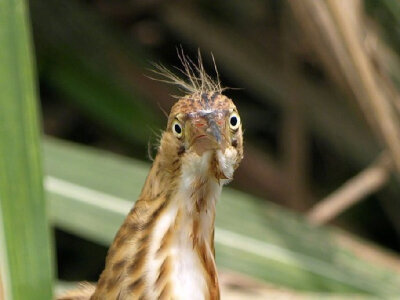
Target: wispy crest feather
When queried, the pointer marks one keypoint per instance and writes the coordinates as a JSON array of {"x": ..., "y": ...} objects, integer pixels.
[{"x": 195, "y": 80}]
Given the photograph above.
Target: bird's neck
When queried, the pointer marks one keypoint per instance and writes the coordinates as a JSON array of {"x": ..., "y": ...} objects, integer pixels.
[{"x": 165, "y": 248}]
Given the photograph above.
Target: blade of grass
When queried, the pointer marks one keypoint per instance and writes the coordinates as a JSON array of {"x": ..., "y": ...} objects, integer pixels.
[{"x": 25, "y": 257}]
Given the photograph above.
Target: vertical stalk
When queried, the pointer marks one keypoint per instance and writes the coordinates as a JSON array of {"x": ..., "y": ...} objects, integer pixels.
[
  {"x": 25, "y": 256},
  {"x": 294, "y": 130}
]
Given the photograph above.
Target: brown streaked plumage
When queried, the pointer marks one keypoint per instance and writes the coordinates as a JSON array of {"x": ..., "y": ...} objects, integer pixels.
[{"x": 165, "y": 247}]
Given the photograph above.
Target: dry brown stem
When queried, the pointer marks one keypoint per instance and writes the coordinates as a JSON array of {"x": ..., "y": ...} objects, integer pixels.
[
  {"x": 336, "y": 30},
  {"x": 366, "y": 87},
  {"x": 294, "y": 135},
  {"x": 368, "y": 181}
]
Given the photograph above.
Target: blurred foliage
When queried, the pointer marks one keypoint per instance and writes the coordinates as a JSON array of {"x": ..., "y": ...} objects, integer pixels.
[
  {"x": 72, "y": 58},
  {"x": 387, "y": 12},
  {"x": 93, "y": 57}
]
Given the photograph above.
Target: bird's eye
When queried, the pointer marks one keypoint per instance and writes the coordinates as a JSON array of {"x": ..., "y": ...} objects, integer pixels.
[
  {"x": 177, "y": 128},
  {"x": 234, "y": 121}
]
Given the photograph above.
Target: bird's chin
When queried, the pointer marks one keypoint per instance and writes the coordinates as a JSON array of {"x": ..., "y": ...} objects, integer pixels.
[
  {"x": 223, "y": 161},
  {"x": 226, "y": 162}
]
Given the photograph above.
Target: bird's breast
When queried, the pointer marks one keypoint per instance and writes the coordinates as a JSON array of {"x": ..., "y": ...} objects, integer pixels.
[
  {"x": 188, "y": 276},
  {"x": 180, "y": 258}
]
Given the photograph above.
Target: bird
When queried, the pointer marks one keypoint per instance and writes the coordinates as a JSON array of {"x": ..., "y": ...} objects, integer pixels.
[{"x": 165, "y": 247}]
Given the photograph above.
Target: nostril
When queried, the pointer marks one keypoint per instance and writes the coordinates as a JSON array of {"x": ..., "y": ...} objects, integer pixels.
[{"x": 200, "y": 124}]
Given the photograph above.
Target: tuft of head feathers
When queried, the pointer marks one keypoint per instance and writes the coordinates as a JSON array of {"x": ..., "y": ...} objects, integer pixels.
[{"x": 196, "y": 80}]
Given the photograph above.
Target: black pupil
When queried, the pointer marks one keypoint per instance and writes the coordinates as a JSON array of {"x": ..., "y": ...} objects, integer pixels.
[
  {"x": 234, "y": 121},
  {"x": 178, "y": 129}
]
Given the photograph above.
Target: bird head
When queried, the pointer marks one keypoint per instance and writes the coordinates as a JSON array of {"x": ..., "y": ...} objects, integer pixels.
[
  {"x": 206, "y": 128},
  {"x": 204, "y": 131}
]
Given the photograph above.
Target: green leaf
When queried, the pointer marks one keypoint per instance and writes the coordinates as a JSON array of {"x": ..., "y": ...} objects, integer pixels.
[
  {"x": 25, "y": 256},
  {"x": 90, "y": 194}
]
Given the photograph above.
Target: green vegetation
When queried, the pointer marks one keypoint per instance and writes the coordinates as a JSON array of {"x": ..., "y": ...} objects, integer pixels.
[{"x": 25, "y": 252}]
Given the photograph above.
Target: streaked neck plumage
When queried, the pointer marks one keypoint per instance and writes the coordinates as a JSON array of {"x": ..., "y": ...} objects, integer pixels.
[{"x": 165, "y": 248}]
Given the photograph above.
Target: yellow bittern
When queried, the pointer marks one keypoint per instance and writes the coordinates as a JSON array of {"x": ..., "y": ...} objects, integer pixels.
[{"x": 165, "y": 247}]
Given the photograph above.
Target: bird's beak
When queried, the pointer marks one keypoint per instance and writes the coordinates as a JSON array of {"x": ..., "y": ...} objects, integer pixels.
[{"x": 207, "y": 132}]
